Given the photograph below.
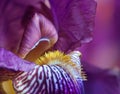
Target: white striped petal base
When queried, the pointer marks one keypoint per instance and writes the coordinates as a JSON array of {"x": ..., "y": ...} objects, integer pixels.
[{"x": 46, "y": 79}]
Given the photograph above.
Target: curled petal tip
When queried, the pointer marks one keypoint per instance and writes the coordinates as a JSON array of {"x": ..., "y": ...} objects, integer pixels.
[
  {"x": 39, "y": 30},
  {"x": 38, "y": 49},
  {"x": 40, "y": 41},
  {"x": 31, "y": 36}
]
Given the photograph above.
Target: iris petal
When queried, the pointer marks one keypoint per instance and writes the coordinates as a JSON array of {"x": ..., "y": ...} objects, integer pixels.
[
  {"x": 57, "y": 74},
  {"x": 10, "y": 61},
  {"x": 39, "y": 31},
  {"x": 75, "y": 20}
]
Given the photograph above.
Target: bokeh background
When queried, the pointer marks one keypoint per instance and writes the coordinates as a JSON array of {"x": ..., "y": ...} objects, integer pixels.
[{"x": 101, "y": 57}]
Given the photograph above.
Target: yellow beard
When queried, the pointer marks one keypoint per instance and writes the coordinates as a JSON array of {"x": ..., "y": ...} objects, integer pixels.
[{"x": 51, "y": 58}]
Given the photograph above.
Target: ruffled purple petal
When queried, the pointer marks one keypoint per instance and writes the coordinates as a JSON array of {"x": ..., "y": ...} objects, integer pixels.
[
  {"x": 75, "y": 20},
  {"x": 10, "y": 61}
]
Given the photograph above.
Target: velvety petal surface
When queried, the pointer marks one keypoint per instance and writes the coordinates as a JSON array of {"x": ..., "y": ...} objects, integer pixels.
[{"x": 75, "y": 22}]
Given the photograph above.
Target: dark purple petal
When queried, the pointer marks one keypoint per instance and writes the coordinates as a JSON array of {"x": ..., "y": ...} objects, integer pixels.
[
  {"x": 75, "y": 20},
  {"x": 11, "y": 30},
  {"x": 27, "y": 2}
]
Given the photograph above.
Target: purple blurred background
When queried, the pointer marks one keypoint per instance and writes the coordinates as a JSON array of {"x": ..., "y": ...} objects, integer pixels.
[{"x": 101, "y": 57}]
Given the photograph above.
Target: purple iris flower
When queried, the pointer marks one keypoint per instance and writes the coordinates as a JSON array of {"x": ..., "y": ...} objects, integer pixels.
[{"x": 30, "y": 28}]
